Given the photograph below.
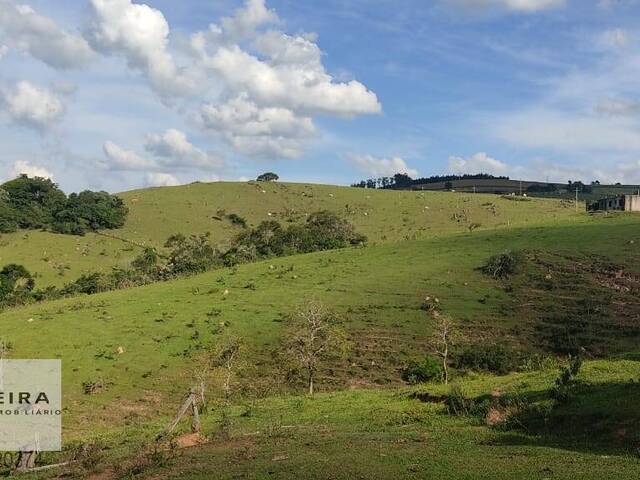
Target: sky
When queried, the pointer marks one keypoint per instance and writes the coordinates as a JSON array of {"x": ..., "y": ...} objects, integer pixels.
[{"x": 120, "y": 94}]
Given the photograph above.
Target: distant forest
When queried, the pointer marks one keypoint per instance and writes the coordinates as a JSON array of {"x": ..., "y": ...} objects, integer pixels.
[{"x": 402, "y": 180}]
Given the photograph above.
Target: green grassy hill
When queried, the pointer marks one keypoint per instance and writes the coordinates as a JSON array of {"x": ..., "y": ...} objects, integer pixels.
[
  {"x": 157, "y": 213},
  {"x": 579, "y": 283}
]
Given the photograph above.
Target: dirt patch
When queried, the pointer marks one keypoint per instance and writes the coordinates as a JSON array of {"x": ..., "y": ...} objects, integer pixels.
[{"x": 189, "y": 440}]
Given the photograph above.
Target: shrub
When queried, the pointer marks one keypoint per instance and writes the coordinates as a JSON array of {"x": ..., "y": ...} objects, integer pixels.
[
  {"x": 424, "y": 371},
  {"x": 503, "y": 265},
  {"x": 16, "y": 284},
  {"x": 564, "y": 384},
  {"x": 237, "y": 220},
  {"x": 457, "y": 403},
  {"x": 193, "y": 254},
  {"x": 147, "y": 261},
  {"x": 490, "y": 358},
  {"x": 89, "y": 284}
]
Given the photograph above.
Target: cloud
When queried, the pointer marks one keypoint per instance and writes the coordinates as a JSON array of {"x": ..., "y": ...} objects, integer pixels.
[
  {"x": 141, "y": 34},
  {"x": 300, "y": 87},
  {"x": 33, "y": 106},
  {"x": 247, "y": 19},
  {"x": 21, "y": 26},
  {"x": 24, "y": 167},
  {"x": 539, "y": 169},
  {"x": 617, "y": 107},
  {"x": 169, "y": 150},
  {"x": 158, "y": 179},
  {"x": 271, "y": 132},
  {"x": 121, "y": 159},
  {"x": 381, "y": 167},
  {"x": 3, "y": 51},
  {"x": 273, "y": 84},
  {"x": 173, "y": 148},
  {"x": 525, "y": 6},
  {"x": 478, "y": 163},
  {"x": 566, "y": 132}
]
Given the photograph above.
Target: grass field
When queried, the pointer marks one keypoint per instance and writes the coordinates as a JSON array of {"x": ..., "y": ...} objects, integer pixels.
[
  {"x": 364, "y": 424},
  {"x": 157, "y": 213}
]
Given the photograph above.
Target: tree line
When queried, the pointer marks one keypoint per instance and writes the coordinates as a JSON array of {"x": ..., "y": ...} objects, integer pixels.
[
  {"x": 39, "y": 204},
  {"x": 402, "y": 180}
]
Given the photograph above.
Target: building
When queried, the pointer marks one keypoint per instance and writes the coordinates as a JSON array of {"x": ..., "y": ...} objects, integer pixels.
[{"x": 627, "y": 203}]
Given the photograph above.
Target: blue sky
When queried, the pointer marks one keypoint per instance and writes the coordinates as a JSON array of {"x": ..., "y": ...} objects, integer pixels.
[{"x": 114, "y": 94}]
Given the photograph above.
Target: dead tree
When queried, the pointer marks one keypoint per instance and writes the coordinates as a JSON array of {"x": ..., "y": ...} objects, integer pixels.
[
  {"x": 444, "y": 341},
  {"x": 314, "y": 335}
]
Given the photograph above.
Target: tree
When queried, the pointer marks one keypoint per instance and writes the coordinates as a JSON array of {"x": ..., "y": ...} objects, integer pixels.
[
  {"x": 268, "y": 177},
  {"x": 314, "y": 335},
  {"x": 444, "y": 334},
  {"x": 225, "y": 356},
  {"x": 448, "y": 186},
  {"x": 402, "y": 180}
]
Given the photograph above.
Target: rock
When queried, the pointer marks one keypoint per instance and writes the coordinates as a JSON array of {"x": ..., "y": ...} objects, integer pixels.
[
  {"x": 226, "y": 292},
  {"x": 120, "y": 350}
]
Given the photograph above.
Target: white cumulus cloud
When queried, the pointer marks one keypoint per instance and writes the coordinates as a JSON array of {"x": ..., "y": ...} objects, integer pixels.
[
  {"x": 273, "y": 84},
  {"x": 33, "y": 106},
  {"x": 271, "y": 131},
  {"x": 478, "y": 163},
  {"x": 526, "y": 6},
  {"x": 24, "y": 167},
  {"x": 122, "y": 159},
  {"x": 159, "y": 179},
  {"x": 140, "y": 33},
  {"x": 173, "y": 148},
  {"x": 381, "y": 167},
  {"x": 21, "y": 26}
]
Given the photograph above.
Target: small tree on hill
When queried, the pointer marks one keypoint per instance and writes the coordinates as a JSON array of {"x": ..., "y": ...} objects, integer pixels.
[
  {"x": 314, "y": 335},
  {"x": 444, "y": 339},
  {"x": 268, "y": 177}
]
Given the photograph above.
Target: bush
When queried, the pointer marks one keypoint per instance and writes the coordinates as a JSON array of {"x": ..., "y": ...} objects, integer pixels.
[
  {"x": 490, "y": 358},
  {"x": 457, "y": 403},
  {"x": 503, "y": 265},
  {"x": 424, "y": 371},
  {"x": 16, "y": 284},
  {"x": 237, "y": 220},
  {"x": 147, "y": 261},
  {"x": 193, "y": 254},
  {"x": 563, "y": 387},
  {"x": 322, "y": 231}
]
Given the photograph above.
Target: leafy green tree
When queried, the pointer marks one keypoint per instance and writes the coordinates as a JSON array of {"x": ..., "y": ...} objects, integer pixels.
[
  {"x": 32, "y": 203},
  {"x": 268, "y": 177}
]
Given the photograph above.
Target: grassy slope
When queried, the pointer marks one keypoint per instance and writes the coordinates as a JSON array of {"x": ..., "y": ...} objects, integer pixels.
[
  {"x": 157, "y": 213},
  {"x": 377, "y": 289},
  {"x": 387, "y": 434}
]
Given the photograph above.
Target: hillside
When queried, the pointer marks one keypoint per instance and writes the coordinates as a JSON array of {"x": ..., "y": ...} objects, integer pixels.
[
  {"x": 129, "y": 356},
  {"x": 157, "y": 213}
]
